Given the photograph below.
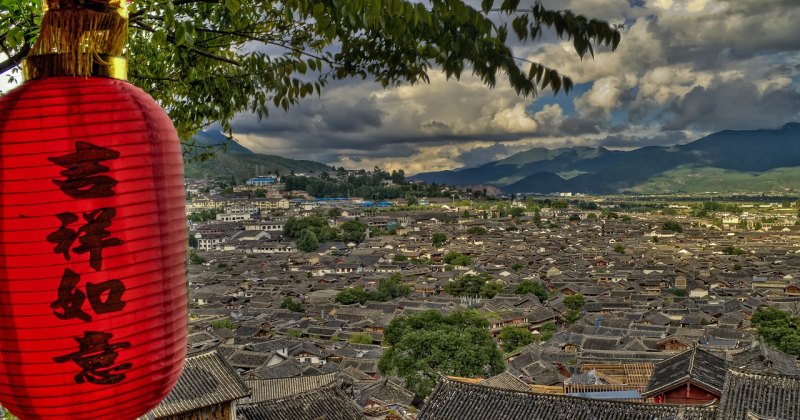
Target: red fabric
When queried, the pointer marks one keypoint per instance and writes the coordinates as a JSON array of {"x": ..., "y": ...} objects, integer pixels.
[{"x": 91, "y": 170}]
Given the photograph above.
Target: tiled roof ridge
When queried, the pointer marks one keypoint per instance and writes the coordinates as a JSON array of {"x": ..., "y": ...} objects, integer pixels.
[{"x": 611, "y": 403}]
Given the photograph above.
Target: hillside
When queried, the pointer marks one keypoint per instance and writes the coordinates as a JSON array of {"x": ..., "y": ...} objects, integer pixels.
[
  {"x": 727, "y": 161},
  {"x": 241, "y": 163}
]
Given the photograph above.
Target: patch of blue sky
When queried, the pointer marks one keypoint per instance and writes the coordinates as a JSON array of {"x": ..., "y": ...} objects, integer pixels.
[{"x": 565, "y": 101}]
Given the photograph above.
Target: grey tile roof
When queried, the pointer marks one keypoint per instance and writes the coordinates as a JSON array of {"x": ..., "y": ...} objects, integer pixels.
[
  {"x": 271, "y": 389},
  {"x": 698, "y": 366},
  {"x": 507, "y": 381},
  {"x": 760, "y": 396},
  {"x": 459, "y": 401},
  {"x": 387, "y": 392},
  {"x": 328, "y": 403},
  {"x": 206, "y": 380}
]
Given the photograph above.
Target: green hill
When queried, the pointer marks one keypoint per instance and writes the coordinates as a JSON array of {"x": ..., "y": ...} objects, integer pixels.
[
  {"x": 239, "y": 162},
  {"x": 727, "y": 161}
]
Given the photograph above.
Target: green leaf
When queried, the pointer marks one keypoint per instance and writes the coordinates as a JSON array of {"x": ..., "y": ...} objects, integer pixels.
[{"x": 233, "y": 6}]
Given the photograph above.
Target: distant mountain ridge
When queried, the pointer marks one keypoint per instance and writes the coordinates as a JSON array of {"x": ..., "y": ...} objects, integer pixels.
[
  {"x": 729, "y": 153},
  {"x": 240, "y": 162}
]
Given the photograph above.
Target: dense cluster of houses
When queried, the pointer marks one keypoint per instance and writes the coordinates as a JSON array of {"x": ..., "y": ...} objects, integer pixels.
[{"x": 664, "y": 332}]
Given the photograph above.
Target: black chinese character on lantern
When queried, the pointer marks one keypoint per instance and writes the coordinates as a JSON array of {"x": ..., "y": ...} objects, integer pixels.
[
  {"x": 83, "y": 169},
  {"x": 70, "y": 300},
  {"x": 96, "y": 357},
  {"x": 92, "y": 236}
]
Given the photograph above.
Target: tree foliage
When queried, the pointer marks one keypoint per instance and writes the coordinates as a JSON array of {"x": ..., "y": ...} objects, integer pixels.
[
  {"x": 532, "y": 287},
  {"x": 424, "y": 345},
  {"x": 455, "y": 258},
  {"x": 204, "y": 61},
  {"x": 471, "y": 285},
  {"x": 477, "y": 230},
  {"x": 547, "y": 330},
  {"x": 353, "y": 231},
  {"x": 438, "y": 239},
  {"x": 308, "y": 241},
  {"x": 388, "y": 289},
  {"x": 292, "y": 305},
  {"x": 364, "y": 184},
  {"x": 513, "y": 338},
  {"x": 574, "y": 305},
  {"x": 778, "y": 328},
  {"x": 672, "y": 226},
  {"x": 360, "y": 338}
]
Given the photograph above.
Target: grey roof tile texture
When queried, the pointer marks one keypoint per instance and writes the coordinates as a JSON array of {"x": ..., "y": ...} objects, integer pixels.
[
  {"x": 206, "y": 380},
  {"x": 328, "y": 403},
  {"x": 458, "y": 401},
  {"x": 763, "y": 396}
]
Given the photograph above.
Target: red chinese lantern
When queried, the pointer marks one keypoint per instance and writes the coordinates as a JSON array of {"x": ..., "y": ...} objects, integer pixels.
[{"x": 93, "y": 305}]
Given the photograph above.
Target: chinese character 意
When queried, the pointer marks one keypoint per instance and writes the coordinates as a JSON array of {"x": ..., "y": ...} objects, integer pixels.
[
  {"x": 82, "y": 171},
  {"x": 92, "y": 235},
  {"x": 96, "y": 357},
  {"x": 70, "y": 298}
]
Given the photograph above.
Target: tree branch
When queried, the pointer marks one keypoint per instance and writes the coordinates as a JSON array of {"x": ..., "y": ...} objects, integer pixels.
[
  {"x": 171, "y": 39},
  {"x": 15, "y": 59},
  {"x": 141, "y": 12}
]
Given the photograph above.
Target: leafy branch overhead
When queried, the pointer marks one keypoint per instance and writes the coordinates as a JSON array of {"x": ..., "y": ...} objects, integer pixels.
[{"x": 207, "y": 60}]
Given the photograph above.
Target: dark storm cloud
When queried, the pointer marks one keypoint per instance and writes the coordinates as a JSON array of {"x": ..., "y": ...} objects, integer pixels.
[
  {"x": 345, "y": 117},
  {"x": 575, "y": 125},
  {"x": 733, "y": 105}
]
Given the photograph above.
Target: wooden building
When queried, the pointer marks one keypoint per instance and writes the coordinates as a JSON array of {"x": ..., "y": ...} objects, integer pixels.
[
  {"x": 692, "y": 377},
  {"x": 207, "y": 390}
]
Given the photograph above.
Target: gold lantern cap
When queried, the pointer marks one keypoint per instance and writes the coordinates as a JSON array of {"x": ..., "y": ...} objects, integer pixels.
[{"x": 80, "y": 38}]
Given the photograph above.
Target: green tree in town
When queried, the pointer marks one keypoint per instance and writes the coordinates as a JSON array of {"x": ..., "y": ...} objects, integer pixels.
[
  {"x": 426, "y": 345},
  {"x": 295, "y": 226},
  {"x": 392, "y": 288},
  {"x": 195, "y": 258},
  {"x": 353, "y": 295},
  {"x": 778, "y": 328},
  {"x": 455, "y": 258},
  {"x": 491, "y": 288},
  {"x": 619, "y": 248},
  {"x": 308, "y": 241},
  {"x": 360, "y": 338},
  {"x": 438, "y": 239},
  {"x": 471, "y": 285},
  {"x": 574, "y": 305},
  {"x": 292, "y": 305},
  {"x": 477, "y": 230},
  {"x": 354, "y": 231},
  {"x": 513, "y": 338},
  {"x": 672, "y": 226},
  {"x": 547, "y": 330},
  {"x": 532, "y": 287}
]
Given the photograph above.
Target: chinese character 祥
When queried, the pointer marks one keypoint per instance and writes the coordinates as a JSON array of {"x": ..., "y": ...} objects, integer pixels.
[
  {"x": 82, "y": 171},
  {"x": 92, "y": 235},
  {"x": 96, "y": 357},
  {"x": 70, "y": 298}
]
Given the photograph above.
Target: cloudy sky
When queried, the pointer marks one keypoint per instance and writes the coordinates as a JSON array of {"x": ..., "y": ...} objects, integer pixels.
[{"x": 684, "y": 68}]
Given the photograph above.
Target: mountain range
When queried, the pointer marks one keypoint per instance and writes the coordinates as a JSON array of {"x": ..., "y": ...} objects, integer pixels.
[
  {"x": 726, "y": 161},
  {"x": 239, "y": 162}
]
